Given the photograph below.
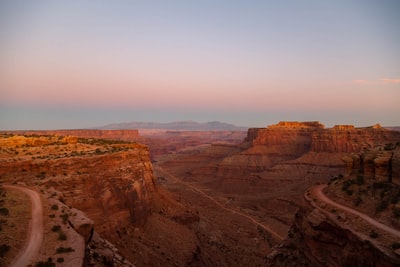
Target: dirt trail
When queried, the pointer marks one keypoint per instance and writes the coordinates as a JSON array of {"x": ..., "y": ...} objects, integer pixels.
[
  {"x": 199, "y": 191},
  {"x": 35, "y": 232},
  {"x": 317, "y": 192}
]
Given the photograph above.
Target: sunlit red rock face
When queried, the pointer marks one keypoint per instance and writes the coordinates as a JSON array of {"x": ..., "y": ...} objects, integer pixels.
[
  {"x": 112, "y": 184},
  {"x": 347, "y": 138},
  {"x": 305, "y": 152}
]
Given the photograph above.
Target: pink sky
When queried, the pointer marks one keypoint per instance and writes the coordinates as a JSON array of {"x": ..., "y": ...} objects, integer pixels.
[{"x": 206, "y": 60}]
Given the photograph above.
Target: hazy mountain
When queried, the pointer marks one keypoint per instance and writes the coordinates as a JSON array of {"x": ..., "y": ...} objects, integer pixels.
[{"x": 179, "y": 125}]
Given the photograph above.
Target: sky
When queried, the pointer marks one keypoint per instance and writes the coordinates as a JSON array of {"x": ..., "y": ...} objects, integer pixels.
[{"x": 79, "y": 64}]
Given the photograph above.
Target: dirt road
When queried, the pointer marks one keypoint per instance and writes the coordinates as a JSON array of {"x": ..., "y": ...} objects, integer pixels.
[
  {"x": 35, "y": 232},
  {"x": 199, "y": 191},
  {"x": 317, "y": 192}
]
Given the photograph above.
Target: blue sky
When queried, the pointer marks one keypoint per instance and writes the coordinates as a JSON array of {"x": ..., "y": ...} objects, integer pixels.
[{"x": 74, "y": 64}]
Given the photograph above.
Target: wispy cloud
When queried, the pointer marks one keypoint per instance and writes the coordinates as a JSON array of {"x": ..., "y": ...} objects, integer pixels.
[
  {"x": 390, "y": 81},
  {"x": 361, "y": 82},
  {"x": 377, "y": 82}
]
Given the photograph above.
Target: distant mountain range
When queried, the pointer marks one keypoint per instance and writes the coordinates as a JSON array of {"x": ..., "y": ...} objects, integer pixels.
[{"x": 179, "y": 125}]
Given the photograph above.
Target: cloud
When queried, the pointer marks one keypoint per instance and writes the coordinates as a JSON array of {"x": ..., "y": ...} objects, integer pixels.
[
  {"x": 390, "y": 81},
  {"x": 386, "y": 81},
  {"x": 361, "y": 82}
]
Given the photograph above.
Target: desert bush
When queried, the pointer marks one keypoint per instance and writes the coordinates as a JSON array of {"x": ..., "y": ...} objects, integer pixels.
[
  {"x": 381, "y": 206},
  {"x": 357, "y": 201},
  {"x": 60, "y": 260},
  {"x": 4, "y": 211},
  {"x": 64, "y": 218},
  {"x": 4, "y": 249},
  {"x": 56, "y": 228},
  {"x": 62, "y": 236},
  {"x": 373, "y": 234},
  {"x": 379, "y": 185},
  {"x": 48, "y": 263},
  {"x": 360, "y": 179},
  {"x": 395, "y": 245},
  {"x": 396, "y": 212},
  {"x": 54, "y": 207},
  {"x": 64, "y": 250}
]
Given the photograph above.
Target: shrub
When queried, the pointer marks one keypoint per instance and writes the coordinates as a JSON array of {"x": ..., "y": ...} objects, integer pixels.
[
  {"x": 349, "y": 192},
  {"x": 48, "y": 263},
  {"x": 396, "y": 212},
  {"x": 360, "y": 179},
  {"x": 64, "y": 250},
  {"x": 4, "y": 249},
  {"x": 4, "y": 211},
  {"x": 378, "y": 185},
  {"x": 62, "y": 236},
  {"x": 381, "y": 206},
  {"x": 373, "y": 234},
  {"x": 357, "y": 201},
  {"x": 59, "y": 260},
  {"x": 64, "y": 218},
  {"x": 396, "y": 245},
  {"x": 54, "y": 207},
  {"x": 56, "y": 228}
]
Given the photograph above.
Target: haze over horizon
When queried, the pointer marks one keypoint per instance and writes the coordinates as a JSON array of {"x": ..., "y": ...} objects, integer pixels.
[{"x": 80, "y": 64}]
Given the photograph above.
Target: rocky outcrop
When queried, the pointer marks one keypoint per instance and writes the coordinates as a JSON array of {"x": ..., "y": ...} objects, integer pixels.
[
  {"x": 380, "y": 164},
  {"x": 317, "y": 238}
]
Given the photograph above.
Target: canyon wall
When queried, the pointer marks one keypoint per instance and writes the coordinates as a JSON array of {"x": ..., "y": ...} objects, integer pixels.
[
  {"x": 313, "y": 136},
  {"x": 347, "y": 138},
  {"x": 111, "y": 182}
]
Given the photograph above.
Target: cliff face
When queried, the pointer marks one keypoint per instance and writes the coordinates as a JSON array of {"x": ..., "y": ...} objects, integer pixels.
[
  {"x": 381, "y": 164},
  {"x": 347, "y": 139},
  {"x": 312, "y": 136},
  {"x": 109, "y": 181}
]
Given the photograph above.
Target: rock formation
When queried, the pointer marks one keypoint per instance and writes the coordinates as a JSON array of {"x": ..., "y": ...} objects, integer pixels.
[
  {"x": 380, "y": 163},
  {"x": 320, "y": 239}
]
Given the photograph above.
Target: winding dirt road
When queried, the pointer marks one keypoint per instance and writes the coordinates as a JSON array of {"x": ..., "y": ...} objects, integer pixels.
[
  {"x": 317, "y": 191},
  {"x": 254, "y": 221},
  {"x": 35, "y": 232}
]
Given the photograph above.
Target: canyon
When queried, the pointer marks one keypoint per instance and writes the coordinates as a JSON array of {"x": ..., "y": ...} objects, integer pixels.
[{"x": 207, "y": 198}]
